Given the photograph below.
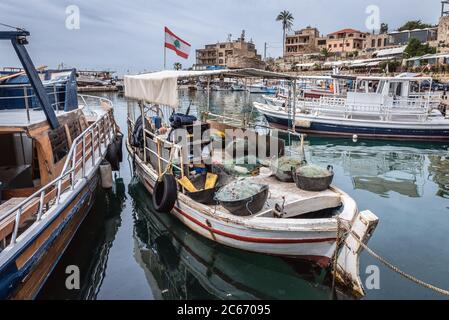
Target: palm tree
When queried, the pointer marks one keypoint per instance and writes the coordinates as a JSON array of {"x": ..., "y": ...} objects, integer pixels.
[
  {"x": 286, "y": 18},
  {"x": 177, "y": 66}
]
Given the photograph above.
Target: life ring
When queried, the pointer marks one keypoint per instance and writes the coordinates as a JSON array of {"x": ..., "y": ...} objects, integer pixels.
[{"x": 165, "y": 193}]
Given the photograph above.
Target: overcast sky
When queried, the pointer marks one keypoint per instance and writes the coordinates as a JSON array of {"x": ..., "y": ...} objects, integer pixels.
[{"x": 128, "y": 35}]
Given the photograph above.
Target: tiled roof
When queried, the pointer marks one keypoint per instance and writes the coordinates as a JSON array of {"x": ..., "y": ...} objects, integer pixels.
[{"x": 346, "y": 31}]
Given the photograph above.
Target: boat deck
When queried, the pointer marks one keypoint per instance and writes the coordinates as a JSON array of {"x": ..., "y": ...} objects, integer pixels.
[{"x": 296, "y": 202}]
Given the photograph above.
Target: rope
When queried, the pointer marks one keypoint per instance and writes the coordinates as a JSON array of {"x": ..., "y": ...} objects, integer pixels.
[
  {"x": 335, "y": 257},
  {"x": 397, "y": 270},
  {"x": 12, "y": 27}
]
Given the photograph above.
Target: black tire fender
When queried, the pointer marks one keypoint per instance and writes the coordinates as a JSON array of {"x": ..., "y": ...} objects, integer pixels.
[{"x": 165, "y": 193}]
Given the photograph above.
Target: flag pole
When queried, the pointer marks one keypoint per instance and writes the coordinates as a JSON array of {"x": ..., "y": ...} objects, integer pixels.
[
  {"x": 165, "y": 54},
  {"x": 165, "y": 57}
]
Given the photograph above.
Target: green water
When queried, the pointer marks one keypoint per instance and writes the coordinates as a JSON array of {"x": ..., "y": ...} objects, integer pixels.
[{"x": 126, "y": 251}]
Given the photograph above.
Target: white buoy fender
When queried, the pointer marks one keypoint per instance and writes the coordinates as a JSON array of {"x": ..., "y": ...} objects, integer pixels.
[{"x": 106, "y": 175}]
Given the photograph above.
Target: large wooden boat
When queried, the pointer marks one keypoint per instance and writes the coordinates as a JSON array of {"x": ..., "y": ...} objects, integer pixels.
[
  {"x": 291, "y": 223},
  {"x": 52, "y": 149}
]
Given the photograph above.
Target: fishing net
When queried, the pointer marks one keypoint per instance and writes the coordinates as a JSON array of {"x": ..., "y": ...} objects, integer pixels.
[
  {"x": 285, "y": 164},
  {"x": 238, "y": 190},
  {"x": 313, "y": 171}
]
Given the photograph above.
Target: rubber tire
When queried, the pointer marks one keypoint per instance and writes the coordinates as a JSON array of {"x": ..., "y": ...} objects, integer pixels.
[
  {"x": 165, "y": 194},
  {"x": 113, "y": 157}
]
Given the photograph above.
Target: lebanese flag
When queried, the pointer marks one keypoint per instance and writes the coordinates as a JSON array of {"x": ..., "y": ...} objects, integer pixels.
[{"x": 175, "y": 43}]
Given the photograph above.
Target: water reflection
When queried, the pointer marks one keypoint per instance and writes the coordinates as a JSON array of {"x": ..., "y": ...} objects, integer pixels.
[
  {"x": 89, "y": 250},
  {"x": 382, "y": 168},
  {"x": 183, "y": 265},
  {"x": 439, "y": 172}
]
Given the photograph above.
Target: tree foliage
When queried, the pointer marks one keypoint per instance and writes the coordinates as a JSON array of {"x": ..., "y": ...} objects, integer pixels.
[
  {"x": 416, "y": 49},
  {"x": 177, "y": 66},
  {"x": 286, "y": 18},
  {"x": 414, "y": 24}
]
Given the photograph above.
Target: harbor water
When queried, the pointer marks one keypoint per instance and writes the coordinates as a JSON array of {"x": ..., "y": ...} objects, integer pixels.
[{"x": 125, "y": 250}]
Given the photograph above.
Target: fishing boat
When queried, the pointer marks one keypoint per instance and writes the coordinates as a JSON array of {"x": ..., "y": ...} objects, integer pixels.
[
  {"x": 177, "y": 256},
  {"x": 377, "y": 107},
  {"x": 260, "y": 88},
  {"x": 53, "y": 146},
  {"x": 308, "y": 87},
  {"x": 238, "y": 87},
  {"x": 290, "y": 222}
]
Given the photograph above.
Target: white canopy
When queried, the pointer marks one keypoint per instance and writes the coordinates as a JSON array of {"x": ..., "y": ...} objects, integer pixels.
[
  {"x": 391, "y": 51},
  {"x": 162, "y": 87}
]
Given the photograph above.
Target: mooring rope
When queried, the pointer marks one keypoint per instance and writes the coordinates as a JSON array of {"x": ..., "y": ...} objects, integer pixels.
[
  {"x": 397, "y": 270},
  {"x": 12, "y": 27}
]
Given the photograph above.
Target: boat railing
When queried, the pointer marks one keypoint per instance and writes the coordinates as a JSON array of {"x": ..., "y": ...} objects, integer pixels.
[
  {"x": 85, "y": 154},
  {"x": 28, "y": 94},
  {"x": 414, "y": 107}
]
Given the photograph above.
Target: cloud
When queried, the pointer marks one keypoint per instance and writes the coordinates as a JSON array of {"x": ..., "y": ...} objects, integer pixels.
[{"x": 128, "y": 35}]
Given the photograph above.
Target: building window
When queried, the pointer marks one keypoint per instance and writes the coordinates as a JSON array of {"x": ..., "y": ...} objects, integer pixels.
[
  {"x": 385, "y": 42},
  {"x": 348, "y": 44},
  {"x": 220, "y": 61},
  {"x": 373, "y": 43},
  {"x": 379, "y": 42},
  {"x": 220, "y": 54},
  {"x": 335, "y": 45}
]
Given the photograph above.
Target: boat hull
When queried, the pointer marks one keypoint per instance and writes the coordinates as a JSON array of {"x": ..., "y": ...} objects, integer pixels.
[
  {"x": 25, "y": 273},
  {"x": 369, "y": 129},
  {"x": 314, "y": 245}
]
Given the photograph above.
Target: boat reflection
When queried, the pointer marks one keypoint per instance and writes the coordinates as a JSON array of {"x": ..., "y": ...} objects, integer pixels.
[
  {"x": 382, "y": 168},
  {"x": 89, "y": 250},
  {"x": 185, "y": 266}
]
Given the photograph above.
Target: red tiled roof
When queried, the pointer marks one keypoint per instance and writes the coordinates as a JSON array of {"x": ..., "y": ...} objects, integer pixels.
[{"x": 346, "y": 31}]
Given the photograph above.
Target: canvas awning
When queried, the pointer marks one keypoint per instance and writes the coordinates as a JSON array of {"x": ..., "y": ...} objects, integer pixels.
[
  {"x": 162, "y": 87},
  {"x": 390, "y": 52}
]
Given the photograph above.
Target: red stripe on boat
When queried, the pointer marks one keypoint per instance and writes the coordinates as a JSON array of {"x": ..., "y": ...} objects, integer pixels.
[{"x": 251, "y": 239}]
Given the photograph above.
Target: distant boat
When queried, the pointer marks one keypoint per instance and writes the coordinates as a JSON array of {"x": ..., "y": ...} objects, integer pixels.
[
  {"x": 261, "y": 89},
  {"x": 238, "y": 87},
  {"x": 378, "y": 107}
]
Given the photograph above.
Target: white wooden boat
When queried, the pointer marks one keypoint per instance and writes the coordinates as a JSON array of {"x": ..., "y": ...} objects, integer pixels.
[
  {"x": 379, "y": 107},
  {"x": 298, "y": 231}
]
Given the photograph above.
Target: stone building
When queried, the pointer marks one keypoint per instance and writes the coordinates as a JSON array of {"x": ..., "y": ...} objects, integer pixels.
[
  {"x": 375, "y": 42},
  {"x": 346, "y": 41},
  {"x": 443, "y": 34},
  {"x": 301, "y": 42},
  {"x": 231, "y": 54}
]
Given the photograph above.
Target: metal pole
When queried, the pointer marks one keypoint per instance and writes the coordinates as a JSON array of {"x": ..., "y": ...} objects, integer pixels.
[
  {"x": 208, "y": 94},
  {"x": 142, "y": 115},
  {"x": 25, "y": 94},
  {"x": 294, "y": 106},
  {"x": 165, "y": 57},
  {"x": 265, "y": 52}
]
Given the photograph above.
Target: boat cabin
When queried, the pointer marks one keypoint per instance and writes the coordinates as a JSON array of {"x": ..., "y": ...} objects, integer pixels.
[{"x": 390, "y": 91}]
